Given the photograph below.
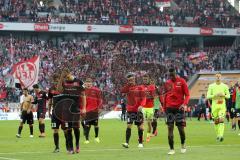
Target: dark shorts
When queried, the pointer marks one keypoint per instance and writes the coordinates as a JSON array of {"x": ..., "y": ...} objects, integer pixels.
[
  {"x": 232, "y": 112},
  {"x": 69, "y": 125},
  {"x": 230, "y": 104},
  {"x": 135, "y": 117},
  {"x": 93, "y": 122},
  {"x": 41, "y": 114},
  {"x": 27, "y": 117},
  {"x": 91, "y": 118},
  {"x": 55, "y": 123},
  {"x": 174, "y": 115},
  {"x": 237, "y": 112},
  {"x": 156, "y": 114}
]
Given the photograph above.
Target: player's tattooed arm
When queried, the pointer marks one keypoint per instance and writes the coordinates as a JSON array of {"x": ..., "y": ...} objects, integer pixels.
[{"x": 60, "y": 82}]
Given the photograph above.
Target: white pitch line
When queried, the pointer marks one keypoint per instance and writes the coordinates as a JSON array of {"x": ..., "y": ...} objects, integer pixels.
[
  {"x": 121, "y": 149},
  {"x": 8, "y": 158}
]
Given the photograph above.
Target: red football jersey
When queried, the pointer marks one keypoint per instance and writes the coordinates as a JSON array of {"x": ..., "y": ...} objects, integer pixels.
[
  {"x": 179, "y": 94},
  {"x": 93, "y": 99},
  {"x": 135, "y": 97},
  {"x": 150, "y": 93}
]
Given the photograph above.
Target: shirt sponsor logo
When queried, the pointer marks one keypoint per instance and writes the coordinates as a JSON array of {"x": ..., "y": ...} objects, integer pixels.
[{"x": 206, "y": 31}]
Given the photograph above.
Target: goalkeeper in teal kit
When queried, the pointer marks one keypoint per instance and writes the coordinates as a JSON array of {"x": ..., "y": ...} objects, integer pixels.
[{"x": 218, "y": 92}]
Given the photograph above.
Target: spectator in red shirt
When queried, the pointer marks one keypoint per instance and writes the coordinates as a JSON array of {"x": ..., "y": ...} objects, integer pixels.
[
  {"x": 176, "y": 101},
  {"x": 94, "y": 102},
  {"x": 135, "y": 100}
]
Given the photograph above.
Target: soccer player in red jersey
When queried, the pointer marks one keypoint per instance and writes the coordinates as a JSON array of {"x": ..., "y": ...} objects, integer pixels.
[
  {"x": 41, "y": 102},
  {"x": 135, "y": 100},
  {"x": 175, "y": 104},
  {"x": 93, "y": 104}
]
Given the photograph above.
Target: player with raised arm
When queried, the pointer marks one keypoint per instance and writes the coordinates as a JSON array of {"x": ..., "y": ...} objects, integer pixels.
[
  {"x": 73, "y": 91},
  {"x": 218, "y": 92}
]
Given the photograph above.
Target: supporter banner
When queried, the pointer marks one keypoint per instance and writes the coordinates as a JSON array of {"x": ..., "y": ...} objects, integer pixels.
[
  {"x": 27, "y": 72},
  {"x": 163, "y": 3},
  {"x": 198, "y": 57},
  {"x": 83, "y": 28}
]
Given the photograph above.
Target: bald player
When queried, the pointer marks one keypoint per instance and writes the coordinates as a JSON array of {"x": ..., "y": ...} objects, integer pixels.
[{"x": 26, "y": 112}]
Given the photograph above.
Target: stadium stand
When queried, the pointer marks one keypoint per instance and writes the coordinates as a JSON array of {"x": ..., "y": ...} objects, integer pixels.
[
  {"x": 109, "y": 60},
  {"x": 186, "y": 13}
]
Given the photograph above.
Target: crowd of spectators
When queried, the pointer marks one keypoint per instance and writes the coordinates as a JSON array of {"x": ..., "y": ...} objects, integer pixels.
[
  {"x": 108, "y": 61},
  {"x": 211, "y": 13}
]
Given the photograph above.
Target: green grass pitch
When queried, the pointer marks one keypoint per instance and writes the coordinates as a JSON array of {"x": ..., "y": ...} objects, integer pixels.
[{"x": 201, "y": 144}]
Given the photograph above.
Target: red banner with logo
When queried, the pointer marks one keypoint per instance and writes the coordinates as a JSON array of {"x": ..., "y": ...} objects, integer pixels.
[
  {"x": 206, "y": 31},
  {"x": 27, "y": 72},
  {"x": 41, "y": 27},
  {"x": 126, "y": 29},
  {"x": 198, "y": 57}
]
